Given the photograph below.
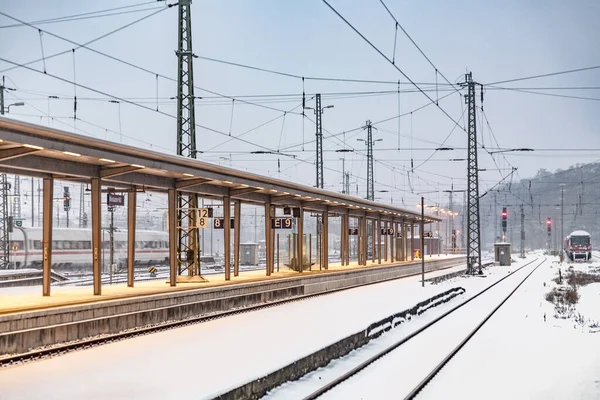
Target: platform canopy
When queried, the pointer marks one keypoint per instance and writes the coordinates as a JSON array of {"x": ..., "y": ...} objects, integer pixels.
[{"x": 34, "y": 150}]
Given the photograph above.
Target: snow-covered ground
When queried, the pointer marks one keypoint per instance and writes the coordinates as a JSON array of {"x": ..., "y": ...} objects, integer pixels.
[
  {"x": 397, "y": 373},
  {"x": 213, "y": 357},
  {"x": 518, "y": 355}
]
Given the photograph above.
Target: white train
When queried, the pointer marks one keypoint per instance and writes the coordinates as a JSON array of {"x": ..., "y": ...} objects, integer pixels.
[{"x": 72, "y": 247}]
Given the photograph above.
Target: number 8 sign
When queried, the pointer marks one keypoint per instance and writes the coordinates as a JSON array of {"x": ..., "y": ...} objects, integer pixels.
[{"x": 202, "y": 219}]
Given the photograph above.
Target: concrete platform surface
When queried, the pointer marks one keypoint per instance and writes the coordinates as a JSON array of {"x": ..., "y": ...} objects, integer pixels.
[{"x": 70, "y": 296}]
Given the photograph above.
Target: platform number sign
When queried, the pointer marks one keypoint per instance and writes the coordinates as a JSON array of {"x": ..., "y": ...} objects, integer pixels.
[
  {"x": 219, "y": 223},
  {"x": 353, "y": 231},
  {"x": 282, "y": 223},
  {"x": 387, "y": 231},
  {"x": 202, "y": 220},
  {"x": 427, "y": 234}
]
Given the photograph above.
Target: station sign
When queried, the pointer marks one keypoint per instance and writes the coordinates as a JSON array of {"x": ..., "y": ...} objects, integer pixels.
[
  {"x": 113, "y": 199},
  {"x": 388, "y": 231},
  {"x": 353, "y": 231},
  {"x": 202, "y": 220},
  {"x": 427, "y": 234},
  {"x": 219, "y": 223},
  {"x": 282, "y": 223}
]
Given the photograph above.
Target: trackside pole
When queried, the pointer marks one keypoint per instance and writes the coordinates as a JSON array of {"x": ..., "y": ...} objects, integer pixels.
[{"x": 422, "y": 237}]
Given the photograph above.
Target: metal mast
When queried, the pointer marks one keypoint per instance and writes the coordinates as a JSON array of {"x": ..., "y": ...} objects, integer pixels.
[
  {"x": 370, "y": 181},
  {"x": 5, "y": 257},
  {"x": 16, "y": 211},
  {"x": 188, "y": 243},
  {"x": 347, "y": 185},
  {"x": 473, "y": 231},
  {"x": 522, "y": 231},
  {"x": 319, "y": 134}
]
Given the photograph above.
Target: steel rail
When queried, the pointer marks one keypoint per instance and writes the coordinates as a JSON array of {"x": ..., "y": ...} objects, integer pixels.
[
  {"x": 414, "y": 393},
  {"x": 389, "y": 349}
]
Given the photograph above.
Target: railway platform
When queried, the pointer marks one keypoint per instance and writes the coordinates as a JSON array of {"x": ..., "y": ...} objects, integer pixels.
[{"x": 28, "y": 321}]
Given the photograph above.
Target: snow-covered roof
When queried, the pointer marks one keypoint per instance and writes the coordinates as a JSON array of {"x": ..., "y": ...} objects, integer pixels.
[{"x": 579, "y": 233}]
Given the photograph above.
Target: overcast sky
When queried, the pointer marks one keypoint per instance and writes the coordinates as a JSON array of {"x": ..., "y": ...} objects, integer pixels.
[{"x": 496, "y": 40}]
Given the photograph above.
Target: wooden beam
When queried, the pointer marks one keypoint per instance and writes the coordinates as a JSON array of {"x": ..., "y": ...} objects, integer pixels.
[
  {"x": 184, "y": 183},
  {"x": 7, "y": 154},
  {"x": 114, "y": 171}
]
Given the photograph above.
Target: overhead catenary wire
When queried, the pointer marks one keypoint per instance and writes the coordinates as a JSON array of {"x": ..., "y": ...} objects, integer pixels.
[{"x": 88, "y": 15}]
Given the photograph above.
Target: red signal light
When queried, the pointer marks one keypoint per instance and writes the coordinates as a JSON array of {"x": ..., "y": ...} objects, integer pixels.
[{"x": 548, "y": 221}]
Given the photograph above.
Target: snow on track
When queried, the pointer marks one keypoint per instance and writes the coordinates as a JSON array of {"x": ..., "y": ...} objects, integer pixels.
[
  {"x": 399, "y": 372},
  {"x": 315, "y": 380}
]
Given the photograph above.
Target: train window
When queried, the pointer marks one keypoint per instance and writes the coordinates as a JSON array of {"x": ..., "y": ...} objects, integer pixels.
[
  {"x": 56, "y": 244},
  {"x": 37, "y": 245},
  {"x": 87, "y": 245},
  {"x": 66, "y": 244},
  {"x": 79, "y": 244}
]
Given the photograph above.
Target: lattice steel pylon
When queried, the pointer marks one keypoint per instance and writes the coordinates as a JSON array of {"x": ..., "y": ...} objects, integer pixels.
[
  {"x": 522, "y": 231},
  {"x": 188, "y": 238},
  {"x": 4, "y": 245},
  {"x": 319, "y": 134},
  {"x": 16, "y": 211},
  {"x": 370, "y": 180},
  {"x": 473, "y": 231}
]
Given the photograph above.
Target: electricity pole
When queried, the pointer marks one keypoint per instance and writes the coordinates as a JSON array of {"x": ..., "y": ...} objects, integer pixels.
[
  {"x": 562, "y": 212},
  {"x": 473, "y": 231},
  {"x": 319, "y": 164},
  {"x": 522, "y": 231},
  {"x": 16, "y": 211},
  {"x": 188, "y": 239},
  {"x": 319, "y": 137},
  {"x": 495, "y": 217},
  {"x": 4, "y": 228},
  {"x": 370, "y": 174}
]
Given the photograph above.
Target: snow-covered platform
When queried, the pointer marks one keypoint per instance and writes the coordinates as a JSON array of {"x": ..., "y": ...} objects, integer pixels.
[
  {"x": 31, "y": 321},
  {"x": 220, "y": 354}
]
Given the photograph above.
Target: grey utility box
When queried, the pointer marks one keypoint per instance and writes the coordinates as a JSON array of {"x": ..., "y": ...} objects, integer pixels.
[
  {"x": 502, "y": 253},
  {"x": 249, "y": 253}
]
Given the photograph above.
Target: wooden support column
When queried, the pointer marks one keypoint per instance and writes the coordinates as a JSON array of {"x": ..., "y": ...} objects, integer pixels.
[
  {"x": 344, "y": 239},
  {"x": 359, "y": 239},
  {"x": 227, "y": 236},
  {"x": 272, "y": 239},
  {"x": 131, "y": 227},
  {"x": 268, "y": 237},
  {"x": 325, "y": 240},
  {"x": 347, "y": 240},
  {"x": 47, "y": 235},
  {"x": 373, "y": 247},
  {"x": 378, "y": 240},
  {"x": 365, "y": 244},
  {"x": 412, "y": 241},
  {"x": 300, "y": 243},
  {"x": 385, "y": 242},
  {"x": 172, "y": 218},
  {"x": 404, "y": 241},
  {"x": 392, "y": 242},
  {"x": 237, "y": 211},
  {"x": 96, "y": 236}
]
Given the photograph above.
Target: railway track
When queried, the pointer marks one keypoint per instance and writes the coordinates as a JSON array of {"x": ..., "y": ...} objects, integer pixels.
[
  {"x": 354, "y": 371},
  {"x": 61, "y": 349}
]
